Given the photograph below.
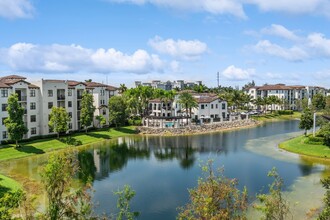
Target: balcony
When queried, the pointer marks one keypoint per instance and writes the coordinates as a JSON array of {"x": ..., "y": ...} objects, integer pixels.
[{"x": 22, "y": 98}]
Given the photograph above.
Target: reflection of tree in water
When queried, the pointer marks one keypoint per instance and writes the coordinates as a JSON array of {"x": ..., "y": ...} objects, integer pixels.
[
  {"x": 119, "y": 154},
  {"x": 86, "y": 165}
]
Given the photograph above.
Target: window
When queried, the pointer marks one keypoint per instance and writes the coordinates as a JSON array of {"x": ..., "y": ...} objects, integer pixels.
[
  {"x": 33, "y": 118},
  {"x": 69, "y": 104},
  {"x": 70, "y": 125},
  {"x": 70, "y": 114},
  {"x": 70, "y": 92},
  {"x": 32, "y": 93},
  {"x": 50, "y": 93},
  {"x": 223, "y": 105},
  {"x": 50, "y": 105},
  {"x": 4, "y": 93},
  {"x": 32, "y": 105},
  {"x": 104, "y": 112},
  {"x": 4, "y": 135},
  {"x": 216, "y": 105},
  {"x": 4, "y": 107},
  {"x": 3, "y": 121},
  {"x": 211, "y": 106},
  {"x": 33, "y": 131},
  {"x": 202, "y": 106}
]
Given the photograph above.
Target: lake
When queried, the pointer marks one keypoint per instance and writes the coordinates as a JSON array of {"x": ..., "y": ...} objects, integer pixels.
[{"x": 161, "y": 169}]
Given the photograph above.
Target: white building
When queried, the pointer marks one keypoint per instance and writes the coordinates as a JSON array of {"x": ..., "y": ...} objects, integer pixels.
[
  {"x": 168, "y": 85},
  {"x": 38, "y": 99},
  {"x": 291, "y": 95},
  {"x": 210, "y": 109}
]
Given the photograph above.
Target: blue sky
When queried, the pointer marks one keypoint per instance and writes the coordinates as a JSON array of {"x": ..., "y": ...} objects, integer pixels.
[{"x": 120, "y": 41}]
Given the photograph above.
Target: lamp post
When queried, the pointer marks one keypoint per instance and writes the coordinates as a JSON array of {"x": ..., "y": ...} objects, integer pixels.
[{"x": 314, "y": 123}]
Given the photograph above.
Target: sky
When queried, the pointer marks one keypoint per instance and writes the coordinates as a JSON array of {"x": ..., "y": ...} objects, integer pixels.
[{"x": 122, "y": 41}]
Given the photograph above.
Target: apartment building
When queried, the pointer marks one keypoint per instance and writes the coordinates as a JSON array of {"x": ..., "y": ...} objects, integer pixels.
[
  {"x": 39, "y": 98},
  {"x": 291, "y": 95},
  {"x": 172, "y": 114},
  {"x": 169, "y": 85}
]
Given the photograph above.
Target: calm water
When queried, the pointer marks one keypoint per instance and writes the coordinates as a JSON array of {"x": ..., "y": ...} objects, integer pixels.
[{"x": 161, "y": 169}]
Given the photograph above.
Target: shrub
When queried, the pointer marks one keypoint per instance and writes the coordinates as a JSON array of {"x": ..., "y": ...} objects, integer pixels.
[
  {"x": 285, "y": 112},
  {"x": 314, "y": 140}
]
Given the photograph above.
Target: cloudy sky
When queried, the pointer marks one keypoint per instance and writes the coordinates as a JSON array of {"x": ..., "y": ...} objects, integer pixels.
[{"x": 120, "y": 41}]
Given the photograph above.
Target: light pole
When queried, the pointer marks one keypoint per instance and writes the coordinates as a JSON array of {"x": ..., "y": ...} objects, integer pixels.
[{"x": 314, "y": 123}]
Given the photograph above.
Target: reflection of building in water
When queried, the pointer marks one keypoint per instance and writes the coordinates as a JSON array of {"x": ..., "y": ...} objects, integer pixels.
[{"x": 102, "y": 163}]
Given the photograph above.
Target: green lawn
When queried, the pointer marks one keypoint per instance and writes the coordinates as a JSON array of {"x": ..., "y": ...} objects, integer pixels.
[
  {"x": 277, "y": 117},
  {"x": 46, "y": 145},
  {"x": 7, "y": 184},
  {"x": 298, "y": 145}
]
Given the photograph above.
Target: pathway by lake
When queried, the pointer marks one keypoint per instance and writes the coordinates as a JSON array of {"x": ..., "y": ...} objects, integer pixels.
[{"x": 161, "y": 169}]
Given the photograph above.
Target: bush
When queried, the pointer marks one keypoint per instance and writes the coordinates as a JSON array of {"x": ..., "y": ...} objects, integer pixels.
[
  {"x": 136, "y": 121},
  {"x": 314, "y": 140},
  {"x": 285, "y": 112}
]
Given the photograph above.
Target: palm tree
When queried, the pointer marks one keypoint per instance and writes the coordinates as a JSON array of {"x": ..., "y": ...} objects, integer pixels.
[
  {"x": 167, "y": 98},
  {"x": 122, "y": 88},
  {"x": 259, "y": 102},
  {"x": 188, "y": 101}
]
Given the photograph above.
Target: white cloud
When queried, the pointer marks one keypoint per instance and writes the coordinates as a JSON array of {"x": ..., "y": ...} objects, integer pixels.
[
  {"x": 319, "y": 44},
  {"x": 16, "y": 9},
  {"x": 279, "y": 30},
  {"x": 236, "y": 74},
  {"x": 273, "y": 76},
  {"x": 233, "y": 7},
  {"x": 182, "y": 49},
  {"x": 294, "y": 53},
  {"x": 74, "y": 58}
]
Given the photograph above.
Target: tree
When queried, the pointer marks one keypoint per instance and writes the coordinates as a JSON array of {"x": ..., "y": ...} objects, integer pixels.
[
  {"x": 101, "y": 119},
  {"x": 123, "y": 203},
  {"x": 14, "y": 123},
  {"x": 59, "y": 120},
  {"x": 87, "y": 110},
  {"x": 306, "y": 120},
  {"x": 325, "y": 214},
  {"x": 122, "y": 88},
  {"x": 319, "y": 101},
  {"x": 273, "y": 205},
  {"x": 117, "y": 110},
  {"x": 215, "y": 197},
  {"x": 188, "y": 101}
]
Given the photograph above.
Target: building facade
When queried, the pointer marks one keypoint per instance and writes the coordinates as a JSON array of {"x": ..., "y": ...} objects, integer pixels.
[
  {"x": 291, "y": 96},
  {"x": 39, "y": 98},
  {"x": 169, "y": 85}
]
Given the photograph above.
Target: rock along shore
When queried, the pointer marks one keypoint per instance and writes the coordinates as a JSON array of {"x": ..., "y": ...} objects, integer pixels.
[{"x": 197, "y": 129}]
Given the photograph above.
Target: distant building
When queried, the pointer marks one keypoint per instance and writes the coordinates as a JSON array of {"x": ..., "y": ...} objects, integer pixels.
[
  {"x": 39, "y": 98},
  {"x": 290, "y": 95},
  {"x": 169, "y": 85}
]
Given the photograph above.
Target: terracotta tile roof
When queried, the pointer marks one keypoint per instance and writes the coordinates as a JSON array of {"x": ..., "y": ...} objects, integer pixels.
[
  {"x": 111, "y": 88},
  {"x": 95, "y": 84},
  {"x": 206, "y": 99},
  {"x": 13, "y": 77},
  {"x": 4, "y": 85},
  {"x": 155, "y": 101},
  {"x": 275, "y": 87}
]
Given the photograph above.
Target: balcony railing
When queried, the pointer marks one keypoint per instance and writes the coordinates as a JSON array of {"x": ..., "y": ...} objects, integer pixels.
[{"x": 22, "y": 98}]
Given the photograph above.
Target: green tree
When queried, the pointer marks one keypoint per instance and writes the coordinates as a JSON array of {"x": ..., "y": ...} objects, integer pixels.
[
  {"x": 59, "y": 120},
  {"x": 306, "y": 120},
  {"x": 122, "y": 88},
  {"x": 188, "y": 102},
  {"x": 319, "y": 101},
  {"x": 123, "y": 204},
  {"x": 14, "y": 123},
  {"x": 325, "y": 214},
  {"x": 10, "y": 201},
  {"x": 273, "y": 205},
  {"x": 215, "y": 197},
  {"x": 87, "y": 110},
  {"x": 117, "y": 111},
  {"x": 101, "y": 119}
]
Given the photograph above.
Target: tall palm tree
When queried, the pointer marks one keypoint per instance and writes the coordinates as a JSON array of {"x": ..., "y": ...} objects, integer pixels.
[
  {"x": 188, "y": 101},
  {"x": 122, "y": 88},
  {"x": 167, "y": 98}
]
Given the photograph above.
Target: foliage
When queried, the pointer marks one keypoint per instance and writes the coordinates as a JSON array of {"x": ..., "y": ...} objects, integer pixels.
[
  {"x": 325, "y": 214},
  {"x": 319, "y": 101},
  {"x": 325, "y": 133},
  {"x": 71, "y": 141},
  {"x": 59, "y": 120},
  {"x": 63, "y": 202},
  {"x": 123, "y": 204},
  {"x": 135, "y": 120},
  {"x": 314, "y": 140},
  {"x": 10, "y": 201},
  {"x": 306, "y": 120},
  {"x": 14, "y": 123},
  {"x": 285, "y": 112},
  {"x": 273, "y": 205},
  {"x": 137, "y": 99},
  {"x": 87, "y": 110},
  {"x": 215, "y": 197},
  {"x": 188, "y": 102},
  {"x": 101, "y": 119},
  {"x": 117, "y": 111}
]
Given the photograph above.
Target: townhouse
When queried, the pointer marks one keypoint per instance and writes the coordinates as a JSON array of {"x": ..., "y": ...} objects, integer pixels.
[
  {"x": 290, "y": 95},
  {"x": 168, "y": 85},
  {"x": 172, "y": 114},
  {"x": 39, "y": 98}
]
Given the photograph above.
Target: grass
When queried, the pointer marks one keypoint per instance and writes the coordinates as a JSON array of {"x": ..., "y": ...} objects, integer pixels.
[
  {"x": 47, "y": 145},
  {"x": 277, "y": 117},
  {"x": 7, "y": 184},
  {"x": 298, "y": 145}
]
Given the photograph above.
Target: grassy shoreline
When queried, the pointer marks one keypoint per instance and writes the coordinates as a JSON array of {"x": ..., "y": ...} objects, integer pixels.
[
  {"x": 276, "y": 117},
  {"x": 8, "y": 184},
  {"x": 298, "y": 145},
  {"x": 42, "y": 146}
]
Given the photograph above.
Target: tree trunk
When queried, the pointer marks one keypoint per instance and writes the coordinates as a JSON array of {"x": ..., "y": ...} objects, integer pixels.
[
  {"x": 16, "y": 143},
  {"x": 86, "y": 129},
  {"x": 305, "y": 132}
]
